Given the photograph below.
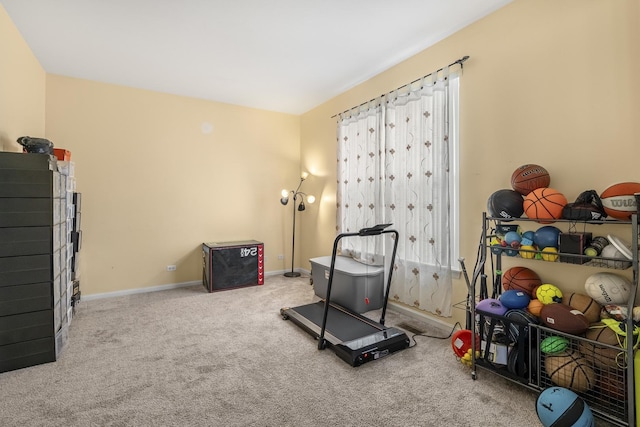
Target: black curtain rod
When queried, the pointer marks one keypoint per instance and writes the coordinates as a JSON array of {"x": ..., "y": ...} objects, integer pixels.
[{"x": 459, "y": 61}]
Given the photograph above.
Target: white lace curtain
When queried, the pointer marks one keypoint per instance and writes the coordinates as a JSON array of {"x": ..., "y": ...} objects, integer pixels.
[
  {"x": 393, "y": 167},
  {"x": 360, "y": 182}
]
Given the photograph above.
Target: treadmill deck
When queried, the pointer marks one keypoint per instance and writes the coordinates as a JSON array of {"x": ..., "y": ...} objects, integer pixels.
[{"x": 355, "y": 338}]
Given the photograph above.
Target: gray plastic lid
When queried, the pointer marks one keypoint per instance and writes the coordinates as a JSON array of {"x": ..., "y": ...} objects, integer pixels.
[{"x": 348, "y": 265}]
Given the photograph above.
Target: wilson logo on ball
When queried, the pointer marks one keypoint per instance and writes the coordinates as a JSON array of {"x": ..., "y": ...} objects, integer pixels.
[
  {"x": 620, "y": 202},
  {"x": 605, "y": 293}
]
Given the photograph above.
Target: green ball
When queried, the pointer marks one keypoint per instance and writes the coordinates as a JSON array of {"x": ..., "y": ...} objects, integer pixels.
[{"x": 553, "y": 345}]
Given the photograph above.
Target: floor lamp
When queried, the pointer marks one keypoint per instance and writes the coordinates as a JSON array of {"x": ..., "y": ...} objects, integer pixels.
[{"x": 284, "y": 200}]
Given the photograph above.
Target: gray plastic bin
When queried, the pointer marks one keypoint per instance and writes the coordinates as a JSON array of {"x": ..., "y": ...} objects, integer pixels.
[{"x": 356, "y": 286}]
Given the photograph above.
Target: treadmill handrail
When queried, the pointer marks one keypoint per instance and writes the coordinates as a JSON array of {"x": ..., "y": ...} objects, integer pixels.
[{"x": 373, "y": 231}]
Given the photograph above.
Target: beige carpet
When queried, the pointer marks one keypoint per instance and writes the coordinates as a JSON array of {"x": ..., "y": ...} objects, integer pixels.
[{"x": 184, "y": 357}]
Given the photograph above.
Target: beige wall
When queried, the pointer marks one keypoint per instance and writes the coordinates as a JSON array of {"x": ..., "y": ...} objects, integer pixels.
[
  {"x": 22, "y": 88},
  {"x": 155, "y": 186},
  {"x": 549, "y": 82},
  {"x": 155, "y": 182}
]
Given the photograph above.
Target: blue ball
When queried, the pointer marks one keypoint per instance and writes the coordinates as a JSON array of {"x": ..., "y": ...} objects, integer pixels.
[
  {"x": 528, "y": 235},
  {"x": 526, "y": 242},
  {"x": 546, "y": 237},
  {"x": 559, "y": 406},
  {"x": 510, "y": 251},
  {"x": 514, "y": 299},
  {"x": 512, "y": 236}
]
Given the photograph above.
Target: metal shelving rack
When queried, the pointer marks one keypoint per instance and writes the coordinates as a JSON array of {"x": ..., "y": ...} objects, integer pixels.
[{"x": 620, "y": 409}]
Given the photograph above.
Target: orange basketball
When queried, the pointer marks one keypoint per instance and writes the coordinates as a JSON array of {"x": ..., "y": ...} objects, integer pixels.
[
  {"x": 529, "y": 177},
  {"x": 544, "y": 204},
  {"x": 521, "y": 279}
]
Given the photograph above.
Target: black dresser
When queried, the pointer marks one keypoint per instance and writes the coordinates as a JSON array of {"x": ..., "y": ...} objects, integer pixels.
[{"x": 35, "y": 259}]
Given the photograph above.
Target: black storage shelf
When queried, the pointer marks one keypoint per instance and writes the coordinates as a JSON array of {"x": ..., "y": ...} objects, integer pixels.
[
  {"x": 618, "y": 409},
  {"x": 26, "y": 183},
  {"x": 25, "y": 298},
  {"x": 17, "y": 241},
  {"x": 25, "y": 212},
  {"x": 564, "y": 257},
  {"x": 27, "y": 353},
  {"x": 34, "y": 267}
]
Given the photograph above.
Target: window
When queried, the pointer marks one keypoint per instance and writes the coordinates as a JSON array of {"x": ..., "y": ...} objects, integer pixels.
[{"x": 398, "y": 162}]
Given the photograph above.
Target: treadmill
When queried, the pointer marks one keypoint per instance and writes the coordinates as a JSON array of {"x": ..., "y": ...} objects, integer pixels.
[{"x": 356, "y": 339}]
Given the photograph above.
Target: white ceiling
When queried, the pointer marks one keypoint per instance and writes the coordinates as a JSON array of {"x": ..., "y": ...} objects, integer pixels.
[{"x": 280, "y": 55}]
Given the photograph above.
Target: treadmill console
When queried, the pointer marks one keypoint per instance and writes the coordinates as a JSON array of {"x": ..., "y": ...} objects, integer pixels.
[{"x": 372, "y": 231}]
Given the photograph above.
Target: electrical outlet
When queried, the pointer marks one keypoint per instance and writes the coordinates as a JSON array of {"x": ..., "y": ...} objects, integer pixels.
[
  {"x": 171, "y": 268},
  {"x": 280, "y": 256}
]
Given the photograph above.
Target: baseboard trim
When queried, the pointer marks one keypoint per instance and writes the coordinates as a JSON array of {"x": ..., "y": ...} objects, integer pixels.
[
  {"x": 441, "y": 325},
  {"x": 164, "y": 287},
  {"x": 281, "y": 272},
  {"x": 139, "y": 290}
]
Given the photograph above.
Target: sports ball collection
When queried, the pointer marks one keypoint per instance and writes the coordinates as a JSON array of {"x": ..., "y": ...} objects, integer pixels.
[
  {"x": 594, "y": 362},
  {"x": 531, "y": 196}
]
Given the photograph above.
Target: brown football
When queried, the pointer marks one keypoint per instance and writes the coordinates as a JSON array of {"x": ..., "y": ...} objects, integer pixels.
[{"x": 563, "y": 318}]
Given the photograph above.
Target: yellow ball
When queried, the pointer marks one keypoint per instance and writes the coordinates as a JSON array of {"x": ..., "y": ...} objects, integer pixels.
[
  {"x": 548, "y": 293},
  {"x": 550, "y": 254},
  {"x": 524, "y": 252}
]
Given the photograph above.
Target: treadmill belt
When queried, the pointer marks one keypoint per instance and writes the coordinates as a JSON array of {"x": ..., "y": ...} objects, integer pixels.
[{"x": 339, "y": 324}]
